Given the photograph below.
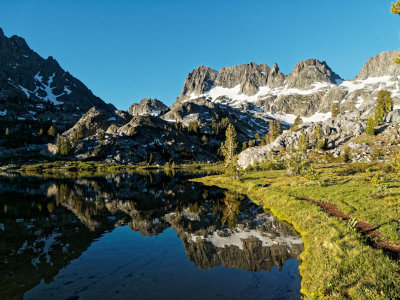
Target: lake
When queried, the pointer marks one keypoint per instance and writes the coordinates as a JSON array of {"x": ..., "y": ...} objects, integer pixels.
[{"x": 140, "y": 236}]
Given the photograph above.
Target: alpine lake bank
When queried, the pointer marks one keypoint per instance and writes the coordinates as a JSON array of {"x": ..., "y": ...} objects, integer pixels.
[
  {"x": 348, "y": 217},
  {"x": 76, "y": 169}
]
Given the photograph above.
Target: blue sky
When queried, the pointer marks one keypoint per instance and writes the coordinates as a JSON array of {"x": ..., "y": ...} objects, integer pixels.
[{"x": 127, "y": 50}]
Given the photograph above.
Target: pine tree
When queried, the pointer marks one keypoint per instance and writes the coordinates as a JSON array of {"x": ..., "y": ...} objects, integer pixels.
[
  {"x": 395, "y": 9},
  {"x": 229, "y": 147},
  {"x": 271, "y": 131},
  {"x": 51, "y": 132},
  {"x": 335, "y": 110},
  {"x": 303, "y": 142},
  {"x": 193, "y": 127},
  {"x": 370, "y": 129},
  {"x": 204, "y": 140},
  {"x": 40, "y": 133},
  {"x": 297, "y": 122},
  {"x": 278, "y": 128},
  {"x": 7, "y": 132},
  {"x": 58, "y": 143},
  {"x": 256, "y": 136},
  {"x": 378, "y": 114},
  {"x": 346, "y": 156},
  {"x": 384, "y": 105},
  {"x": 65, "y": 147},
  {"x": 244, "y": 146}
]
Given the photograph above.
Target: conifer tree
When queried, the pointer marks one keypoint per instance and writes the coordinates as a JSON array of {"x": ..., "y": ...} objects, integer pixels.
[
  {"x": 278, "y": 128},
  {"x": 297, "y": 122},
  {"x": 58, "y": 143},
  {"x": 51, "y": 132},
  {"x": 204, "y": 140},
  {"x": 303, "y": 142},
  {"x": 370, "y": 129},
  {"x": 271, "y": 131},
  {"x": 7, "y": 132},
  {"x": 378, "y": 115},
  {"x": 244, "y": 146},
  {"x": 40, "y": 133},
  {"x": 395, "y": 9},
  {"x": 229, "y": 147},
  {"x": 384, "y": 105},
  {"x": 65, "y": 147},
  {"x": 335, "y": 110}
]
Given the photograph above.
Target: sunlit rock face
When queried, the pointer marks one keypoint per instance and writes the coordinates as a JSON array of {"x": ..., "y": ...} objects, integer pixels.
[
  {"x": 309, "y": 91},
  {"x": 45, "y": 224},
  {"x": 148, "y": 107}
]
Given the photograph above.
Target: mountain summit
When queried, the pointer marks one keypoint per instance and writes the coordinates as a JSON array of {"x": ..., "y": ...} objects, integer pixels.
[{"x": 42, "y": 83}]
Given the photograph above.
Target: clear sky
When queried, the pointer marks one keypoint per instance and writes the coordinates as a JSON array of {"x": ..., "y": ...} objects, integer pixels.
[{"x": 128, "y": 50}]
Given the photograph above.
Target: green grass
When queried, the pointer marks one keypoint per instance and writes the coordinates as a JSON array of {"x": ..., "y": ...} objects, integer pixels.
[{"x": 337, "y": 263}]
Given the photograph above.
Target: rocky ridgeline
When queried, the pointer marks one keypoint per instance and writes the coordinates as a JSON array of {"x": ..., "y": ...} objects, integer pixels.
[
  {"x": 248, "y": 96},
  {"x": 39, "y": 88},
  {"x": 309, "y": 91},
  {"x": 187, "y": 132}
]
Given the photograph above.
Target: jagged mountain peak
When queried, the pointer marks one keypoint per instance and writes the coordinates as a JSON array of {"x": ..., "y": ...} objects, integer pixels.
[
  {"x": 43, "y": 83},
  {"x": 380, "y": 65},
  {"x": 307, "y": 72},
  {"x": 198, "y": 81}
]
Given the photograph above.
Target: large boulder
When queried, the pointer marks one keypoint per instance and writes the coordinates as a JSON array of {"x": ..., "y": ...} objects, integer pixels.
[
  {"x": 393, "y": 116},
  {"x": 93, "y": 120}
]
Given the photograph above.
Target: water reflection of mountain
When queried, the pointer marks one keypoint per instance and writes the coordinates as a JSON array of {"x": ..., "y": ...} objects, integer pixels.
[{"x": 46, "y": 224}]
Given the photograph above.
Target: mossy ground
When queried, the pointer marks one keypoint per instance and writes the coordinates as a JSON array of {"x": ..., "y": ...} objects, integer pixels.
[{"x": 338, "y": 262}]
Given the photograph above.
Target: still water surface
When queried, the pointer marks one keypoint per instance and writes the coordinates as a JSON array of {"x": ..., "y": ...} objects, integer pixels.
[{"x": 140, "y": 236}]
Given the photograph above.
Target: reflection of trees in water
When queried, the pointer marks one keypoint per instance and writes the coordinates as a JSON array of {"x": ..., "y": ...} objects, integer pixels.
[
  {"x": 232, "y": 203},
  {"x": 79, "y": 211}
]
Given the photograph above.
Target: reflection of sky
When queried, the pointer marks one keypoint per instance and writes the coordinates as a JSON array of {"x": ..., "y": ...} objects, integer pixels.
[
  {"x": 123, "y": 263},
  {"x": 73, "y": 234}
]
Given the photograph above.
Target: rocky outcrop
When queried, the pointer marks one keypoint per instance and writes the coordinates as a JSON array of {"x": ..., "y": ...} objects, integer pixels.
[
  {"x": 247, "y": 124},
  {"x": 337, "y": 131},
  {"x": 148, "y": 107},
  {"x": 393, "y": 116},
  {"x": 94, "y": 120}
]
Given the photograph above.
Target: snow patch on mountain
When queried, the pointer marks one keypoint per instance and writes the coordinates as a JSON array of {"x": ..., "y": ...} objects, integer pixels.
[
  {"x": 234, "y": 93},
  {"x": 289, "y": 118}
]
